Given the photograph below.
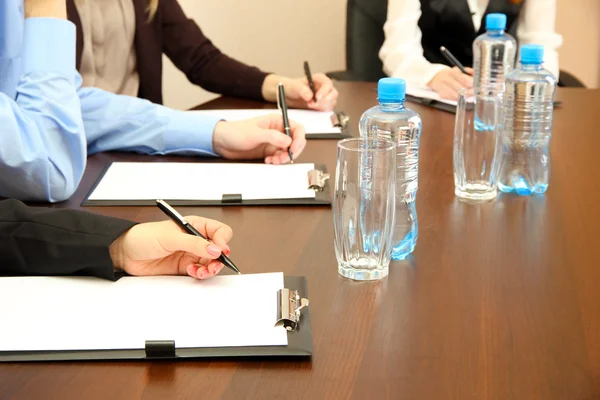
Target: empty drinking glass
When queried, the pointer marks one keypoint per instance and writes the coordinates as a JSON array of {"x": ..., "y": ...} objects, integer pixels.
[
  {"x": 477, "y": 146},
  {"x": 364, "y": 207}
]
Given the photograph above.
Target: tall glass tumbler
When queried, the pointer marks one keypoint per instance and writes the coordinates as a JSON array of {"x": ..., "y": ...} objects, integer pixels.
[
  {"x": 364, "y": 207},
  {"x": 477, "y": 144}
]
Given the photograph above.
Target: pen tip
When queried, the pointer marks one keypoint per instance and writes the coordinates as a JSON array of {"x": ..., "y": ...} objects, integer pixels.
[
  {"x": 239, "y": 273},
  {"x": 442, "y": 48}
]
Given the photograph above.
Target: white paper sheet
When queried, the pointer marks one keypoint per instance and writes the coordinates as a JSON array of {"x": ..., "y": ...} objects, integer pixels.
[
  {"x": 426, "y": 93},
  {"x": 314, "y": 122},
  {"x": 42, "y": 313},
  {"x": 203, "y": 181}
]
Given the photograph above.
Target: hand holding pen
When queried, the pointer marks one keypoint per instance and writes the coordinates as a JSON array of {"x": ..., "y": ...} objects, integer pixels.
[
  {"x": 211, "y": 249},
  {"x": 448, "y": 81}
]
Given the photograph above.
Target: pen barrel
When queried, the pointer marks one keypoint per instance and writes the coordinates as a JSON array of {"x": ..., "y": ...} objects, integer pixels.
[{"x": 286, "y": 122}]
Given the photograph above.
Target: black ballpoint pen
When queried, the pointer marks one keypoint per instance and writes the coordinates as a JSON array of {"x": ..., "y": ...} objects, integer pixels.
[
  {"x": 186, "y": 226},
  {"x": 311, "y": 84},
  {"x": 453, "y": 60},
  {"x": 284, "y": 112}
]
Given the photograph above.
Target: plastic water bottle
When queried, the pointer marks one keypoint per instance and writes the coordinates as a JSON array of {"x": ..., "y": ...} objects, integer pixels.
[
  {"x": 392, "y": 120},
  {"x": 527, "y": 125},
  {"x": 493, "y": 53}
]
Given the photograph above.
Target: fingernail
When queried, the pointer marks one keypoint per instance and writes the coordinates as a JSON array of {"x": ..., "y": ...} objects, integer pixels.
[
  {"x": 214, "y": 250},
  {"x": 227, "y": 251}
]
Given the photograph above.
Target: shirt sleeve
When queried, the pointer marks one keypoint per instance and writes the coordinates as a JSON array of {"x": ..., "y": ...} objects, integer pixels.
[
  {"x": 117, "y": 122},
  {"x": 536, "y": 26},
  {"x": 203, "y": 63},
  {"x": 402, "y": 52},
  {"x": 43, "y": 147},
  {"x": 36, "y": 241}
]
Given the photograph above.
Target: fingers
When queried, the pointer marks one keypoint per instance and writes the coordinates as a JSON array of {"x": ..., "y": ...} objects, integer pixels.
[
  {"x": 301, "y": 89},
  {"x": 217, "y": 232},
  {"x": 279, "y": 154},
  {"x": 323, "y": 85},
  {"x": 204, "y": 271},
  {"x": 298, "y": 138},
  {"x": 327, "y": 103}
]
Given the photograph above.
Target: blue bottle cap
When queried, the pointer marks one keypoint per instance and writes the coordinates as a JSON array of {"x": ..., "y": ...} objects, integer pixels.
[
  {"x": 391, "y": 90},
  {"x": 532, "y": 54},
  {"x": 495, "y": 22}
]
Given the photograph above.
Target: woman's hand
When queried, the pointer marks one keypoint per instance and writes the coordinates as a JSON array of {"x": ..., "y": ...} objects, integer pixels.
[
  {"x": 163, "y": 248},
  {"x": 449, "y": 81}
]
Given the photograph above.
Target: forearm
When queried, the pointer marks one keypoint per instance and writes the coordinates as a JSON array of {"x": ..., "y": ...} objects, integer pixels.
[
  {"x": 43, "y": 153},
  {"x": 114, "y": 122},
  {"x": 51, "y": 242},
  {"x": 202, "y": 62}
]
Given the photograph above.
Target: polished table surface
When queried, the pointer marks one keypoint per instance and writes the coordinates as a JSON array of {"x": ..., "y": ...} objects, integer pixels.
[{"x": 499, "y": 301}]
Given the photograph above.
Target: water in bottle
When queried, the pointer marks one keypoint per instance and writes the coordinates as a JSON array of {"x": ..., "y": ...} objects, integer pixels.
[
  {"x": 493, "y": 54},
  {"x": 392, "y": 120},
  {"x": 527, "y": 125}
]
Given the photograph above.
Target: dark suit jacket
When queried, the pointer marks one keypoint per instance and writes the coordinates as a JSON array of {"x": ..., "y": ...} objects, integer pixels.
[
  {"x": 180, "y": 38},
  {"x": 48, "y": 242}
]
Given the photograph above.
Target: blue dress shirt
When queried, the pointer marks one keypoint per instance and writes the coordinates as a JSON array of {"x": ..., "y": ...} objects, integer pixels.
[{"x": 49, "y": 123}]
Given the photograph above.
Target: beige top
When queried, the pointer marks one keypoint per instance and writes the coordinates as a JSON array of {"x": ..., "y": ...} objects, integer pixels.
[{"x": 108, "y": 61}]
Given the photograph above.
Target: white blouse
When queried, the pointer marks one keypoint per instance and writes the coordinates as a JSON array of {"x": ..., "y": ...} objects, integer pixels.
[{"x": 402, "y": 52}]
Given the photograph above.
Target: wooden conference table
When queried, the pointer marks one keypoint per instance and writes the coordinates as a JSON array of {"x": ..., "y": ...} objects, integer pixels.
[{"x": 500, "y": 301}]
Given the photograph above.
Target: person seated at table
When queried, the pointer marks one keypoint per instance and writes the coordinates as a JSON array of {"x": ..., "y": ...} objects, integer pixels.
[
  {"x": 121, "y": 43},
  {"x": 36, "y": 241},
  {"x": 49, "y": 127},
  {"x": 416, "y": 29}
]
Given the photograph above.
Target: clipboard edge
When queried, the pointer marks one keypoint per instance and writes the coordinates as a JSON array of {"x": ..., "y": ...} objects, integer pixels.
[
  {"x": 322, "y": 198},
  {"x": 299, "y": 346}
]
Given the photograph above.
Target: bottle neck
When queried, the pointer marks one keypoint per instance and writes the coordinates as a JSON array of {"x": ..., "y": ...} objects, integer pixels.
[
  {"x": 495, "y": 32},
  {"x": 531, "y": 67},
  {"x": 388, "y": 106}
]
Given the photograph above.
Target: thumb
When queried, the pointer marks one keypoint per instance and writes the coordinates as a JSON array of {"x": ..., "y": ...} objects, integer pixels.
[
  {"x": 197, "y": 246},
  {"x": 274, "y": 137}
]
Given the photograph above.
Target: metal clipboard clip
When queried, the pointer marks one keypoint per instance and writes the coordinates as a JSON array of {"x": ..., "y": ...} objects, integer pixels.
[
  {"x": 289, "y": 304},
  {"x": 340, "y": 119},
  {"x": 317, "y": 179}
]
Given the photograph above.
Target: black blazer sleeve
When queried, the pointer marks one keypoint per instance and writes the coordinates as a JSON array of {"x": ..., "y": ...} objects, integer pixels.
[
  {"x": 47, "y": 242},
  {"x": 203, "y": 63}
]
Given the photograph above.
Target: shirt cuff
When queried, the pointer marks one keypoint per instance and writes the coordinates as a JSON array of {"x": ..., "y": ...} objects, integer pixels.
[
  {"x": 188, "y": 131},
  {"x": 49, "y": 46}
]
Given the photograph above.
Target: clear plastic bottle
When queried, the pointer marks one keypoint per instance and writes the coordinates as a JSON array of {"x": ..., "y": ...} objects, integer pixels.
[
  {"x": 494, "y": 53},
  {"x": 392, "y": 120},
  {"x": 527, "y": 125}
]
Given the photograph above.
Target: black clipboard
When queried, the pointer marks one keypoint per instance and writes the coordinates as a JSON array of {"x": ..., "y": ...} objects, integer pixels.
[
  {"x": 318, "y": 180},
  {"x": 296, "y": 321},
  {"x": 440, "y": 105},
  {"x": 450, "y": 108},
  {"x": 339, "y": 120}
]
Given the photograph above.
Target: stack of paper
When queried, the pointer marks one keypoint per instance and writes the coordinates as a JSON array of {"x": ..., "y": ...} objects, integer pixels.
[
  {"x": 203, "y": 181},
  {"x": 315, "y": 122},
  {"x": 59, "y": 314}
]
